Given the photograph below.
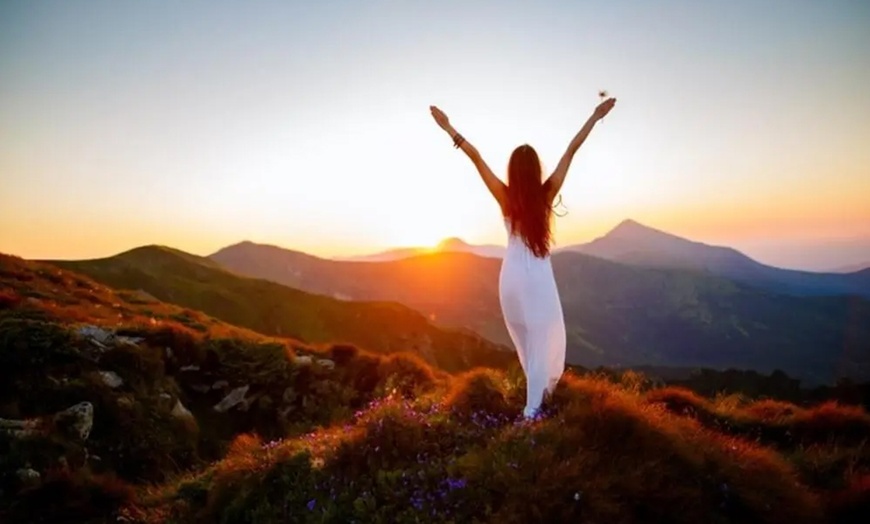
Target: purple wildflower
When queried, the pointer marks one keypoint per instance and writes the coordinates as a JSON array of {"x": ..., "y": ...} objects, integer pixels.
[{"x": 311, "y": 504}]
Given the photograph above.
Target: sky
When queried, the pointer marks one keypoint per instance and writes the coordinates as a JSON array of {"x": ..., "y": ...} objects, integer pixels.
[{"x": 306, "y": 124}]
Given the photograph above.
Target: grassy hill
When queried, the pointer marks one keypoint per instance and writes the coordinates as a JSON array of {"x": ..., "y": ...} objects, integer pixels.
[
  {"x": 616, "y": 314},
  {"x": 375, "y": 438},
  {"x": 199, "y": 284}
]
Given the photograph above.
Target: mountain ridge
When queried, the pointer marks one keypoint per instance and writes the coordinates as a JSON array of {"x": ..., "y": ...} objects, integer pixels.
[{"x": 616, "y": 313}]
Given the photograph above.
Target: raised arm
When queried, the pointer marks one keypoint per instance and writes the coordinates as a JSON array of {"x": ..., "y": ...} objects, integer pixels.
[
  {"x": 558, "y": 177},
  {"x": 495, "y": 186}
]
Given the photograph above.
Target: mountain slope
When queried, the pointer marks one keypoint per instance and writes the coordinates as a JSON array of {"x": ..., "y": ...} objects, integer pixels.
[
  {"x": 636, "y": 244},
  {"x": 273, "y": 309},
  {"x": 616, "y": 314},
  {"x": 450, "y": 288}
]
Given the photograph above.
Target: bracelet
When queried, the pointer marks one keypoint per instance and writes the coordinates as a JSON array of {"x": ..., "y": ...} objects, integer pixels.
[{"x": 458, "y": 140}]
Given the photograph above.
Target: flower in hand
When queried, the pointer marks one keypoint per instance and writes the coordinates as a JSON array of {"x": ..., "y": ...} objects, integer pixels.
[
  {"x": 604, "y": 108},
  {"x": 440, "y": 117}
]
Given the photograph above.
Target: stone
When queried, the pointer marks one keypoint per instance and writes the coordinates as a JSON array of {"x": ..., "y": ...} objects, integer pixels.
[
  {"x": 190, "y": 368},
  {"x": 128, "y": 341},
  {"x": 75, "y": 422},
  {"x": 28, "y": 476},
  {"x": 234, "y": 398},
  {"x": 111, "y": 379},
  {"x": 221, "y": 384},
  {"x": 78, "y": 420},
  {"x": 326, "y": 363},
  {"x": 125, "y": 402},
  {"x": 181, "y": 412},
  {"x": 303, "y": 360},
  {"x": 95, "y": 334}
]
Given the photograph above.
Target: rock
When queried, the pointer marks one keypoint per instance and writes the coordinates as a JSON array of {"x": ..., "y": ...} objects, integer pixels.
[
  {"x": 303, "y": 360},
  {"x": 181, "y": 412},
  {"x": 28, "y": 476},
  {"x": 165, "y": 396},
  {"x": 96, "y": 334},
  {"x": 78, "y": 420},
  {"x": 102, "y": 340},
  {"x": 326, "y": 363},
  {"x": 125, "y": 402},
  {"x": 128, "y": 341},
  {"x": 221, "y": 384},
  {"x": 75, "y": 422},
  {"x": 235, "y": 397},
  {"x": 21, "y": 428},
  {"x": 111, "y": 379},
  {"x": 190, "y": 368}
]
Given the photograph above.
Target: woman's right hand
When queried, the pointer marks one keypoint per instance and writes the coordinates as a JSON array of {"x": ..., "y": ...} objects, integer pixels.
[
  {"x": 440, "y": 117},
  {"x": 604, "y": 108}
]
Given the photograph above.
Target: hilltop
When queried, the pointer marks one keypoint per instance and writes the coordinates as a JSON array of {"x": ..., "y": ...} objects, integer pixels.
[{"x": 222, "y": 424}]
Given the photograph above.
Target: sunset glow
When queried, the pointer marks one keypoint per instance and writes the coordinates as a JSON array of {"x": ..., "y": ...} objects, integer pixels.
[{"x": 198, "y": 125}]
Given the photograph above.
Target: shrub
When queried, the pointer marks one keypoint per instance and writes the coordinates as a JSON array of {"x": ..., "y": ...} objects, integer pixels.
[
  {"x": 479, "y": 396},
  {"x": 407, "y": 373}
]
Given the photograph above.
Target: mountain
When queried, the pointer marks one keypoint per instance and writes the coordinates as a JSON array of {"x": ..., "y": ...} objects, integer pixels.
[
  {"x": 449, "y": 245},
  {"x": 273, "y": 309},
  {"x": 446, "y": 286},
  {"x": 633, "y": 243},
  {"x": 616, "y": 314}
]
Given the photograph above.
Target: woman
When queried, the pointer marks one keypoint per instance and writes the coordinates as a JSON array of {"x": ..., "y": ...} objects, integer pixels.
[{"x": 527, "y": 289}]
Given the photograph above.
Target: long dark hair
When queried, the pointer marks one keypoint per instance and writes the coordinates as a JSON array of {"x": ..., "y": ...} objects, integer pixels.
[{"x": 528, "y": 209}]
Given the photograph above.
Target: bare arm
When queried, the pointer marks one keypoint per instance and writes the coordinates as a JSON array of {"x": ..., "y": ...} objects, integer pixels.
[
  {"x": 495, "y": 186},
  {"x": 558, "y": 177}
]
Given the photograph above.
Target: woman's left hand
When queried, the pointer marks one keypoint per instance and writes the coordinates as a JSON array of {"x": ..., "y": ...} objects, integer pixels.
[{"x": 440, "y": 118}]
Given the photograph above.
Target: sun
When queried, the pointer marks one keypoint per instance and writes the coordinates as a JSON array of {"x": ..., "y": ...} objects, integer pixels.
[{"x": 420, "y": 232}]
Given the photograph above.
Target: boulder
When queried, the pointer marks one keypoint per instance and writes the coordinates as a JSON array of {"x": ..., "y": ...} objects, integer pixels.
[{"x": 75, "y": 422}]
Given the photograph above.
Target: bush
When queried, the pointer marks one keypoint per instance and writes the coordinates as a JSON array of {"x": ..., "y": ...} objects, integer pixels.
[
  {"x": 407, "y": 373},
  {"x": 479, "y": 396}
]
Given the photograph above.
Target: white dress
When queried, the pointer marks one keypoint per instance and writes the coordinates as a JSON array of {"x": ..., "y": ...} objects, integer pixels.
[{"x": 533, "y": 316}]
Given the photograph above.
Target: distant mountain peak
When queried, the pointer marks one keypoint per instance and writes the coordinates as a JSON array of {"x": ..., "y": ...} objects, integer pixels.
[
  {"x": 452, "y": 243},
  {"x": 633, "y": 228}
]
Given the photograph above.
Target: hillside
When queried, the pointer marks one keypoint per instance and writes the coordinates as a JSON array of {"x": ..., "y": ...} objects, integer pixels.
[
  {"x": 616, "y": 314},
  {"x": 150, "y": 421},
  {"x": 272, "y": 309},
  {"x": 451, "y": 289},
  {"x": 637, "y": 244}
]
